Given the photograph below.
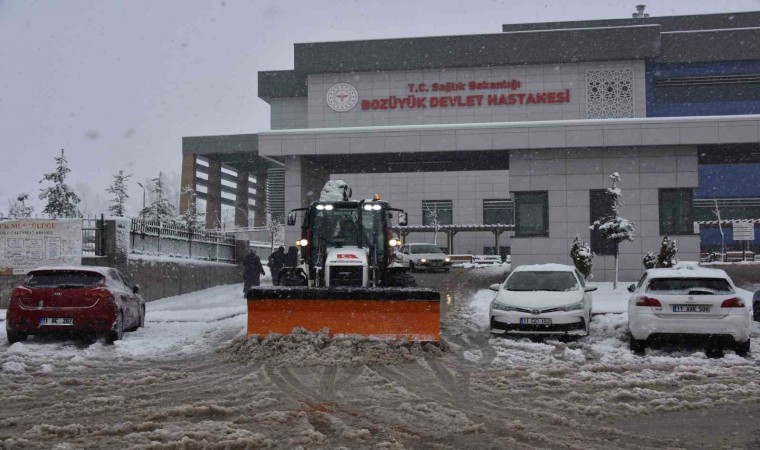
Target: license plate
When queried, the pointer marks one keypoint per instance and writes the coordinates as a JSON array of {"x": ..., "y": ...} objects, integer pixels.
[
  {"x": 691, "y": 308},
  {"x": 533, "y": 321},
  {"x": 56, "y": 321}
]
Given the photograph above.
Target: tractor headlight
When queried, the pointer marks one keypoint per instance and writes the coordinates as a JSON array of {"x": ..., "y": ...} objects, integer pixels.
[
  {"x": 571, "y": 307},
  {"x": 329, "y": 207},
  {"x": 302, "y": 242}
]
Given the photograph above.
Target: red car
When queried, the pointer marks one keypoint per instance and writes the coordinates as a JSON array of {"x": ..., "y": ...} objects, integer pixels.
[{"x": 79, "y": 299}]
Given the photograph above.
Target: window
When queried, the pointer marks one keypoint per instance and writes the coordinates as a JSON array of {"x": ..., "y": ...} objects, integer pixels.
[
  {"x": 531, "y": 214},
  {"x": 676, "y": 215},
  {"x": 600, "y": 202},
  {"x": 437, "y": 212},
  {"x": 498, "y": 211}
]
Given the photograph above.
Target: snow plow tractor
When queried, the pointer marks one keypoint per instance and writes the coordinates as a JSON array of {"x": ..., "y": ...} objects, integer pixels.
[{"x": 346, "y": 280}]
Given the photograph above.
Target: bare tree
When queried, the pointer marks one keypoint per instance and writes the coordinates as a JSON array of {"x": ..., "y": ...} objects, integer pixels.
[
  {"x": 276, "y": 229},
  {"x": 433, "y": 219},
  {"x": 716, "y": 211},
  {"x": 18, "y": 208}
]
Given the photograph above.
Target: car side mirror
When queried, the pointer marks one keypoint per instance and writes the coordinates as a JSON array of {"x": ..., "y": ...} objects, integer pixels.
[
  {"x": 136, "y": 289},
  {"x": 291, "y": 219},
  {"x": 494, "y": 287},
  {"x": 590, "y": 288},
  {"x": 402, "y": 219},
  {"x": 631, "y": 288}
]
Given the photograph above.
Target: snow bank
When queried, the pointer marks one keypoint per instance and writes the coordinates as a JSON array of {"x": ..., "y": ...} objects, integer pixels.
[{"x": 304, "y": 348}]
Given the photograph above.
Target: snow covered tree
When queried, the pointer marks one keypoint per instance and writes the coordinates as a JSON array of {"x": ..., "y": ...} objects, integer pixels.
[
  {"x": 61, "y": 200},
  {"x": 582, "y": 256},
  {"x": 668, "y": 251},
  {"x": 191, "y": 217},
  {"x": 120, "y": 196},
  {"x": 650, "y": 261},
  {"x": 716, "y": 212},
  {"x": 160, "y": 209},
  {"x": 18, "y": 209},
  {"x": 276, "y": 229},
  {"x": 613, "y": 228}
]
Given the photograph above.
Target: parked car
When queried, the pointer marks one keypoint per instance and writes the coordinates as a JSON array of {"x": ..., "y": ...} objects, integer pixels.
[
  {"x": 77, "y": 299},
  {"x": 423, "y": 256},
  {"x": 756, "y": 306},
  {"x": 689, "y": 302},
  {"x": 542, "y": 299}
]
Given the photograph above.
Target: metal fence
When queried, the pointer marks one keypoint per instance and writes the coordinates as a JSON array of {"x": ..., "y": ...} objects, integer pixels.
[
  {"x": 92, "y": 236},
  {"x": 150, "y": 237}
]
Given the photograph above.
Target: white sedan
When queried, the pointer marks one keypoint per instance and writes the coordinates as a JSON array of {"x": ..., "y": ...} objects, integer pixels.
[
  {"x": 423, "y": 256},
  {"x": 689, "y": 302},
  {"x": 542, "y": 299}
]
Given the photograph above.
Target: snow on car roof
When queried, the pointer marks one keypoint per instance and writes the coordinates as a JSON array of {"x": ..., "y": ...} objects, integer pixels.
[
  {"x": 99, "y": 269},
  {"x": 687, "y": 270},
  {"x": 544, "y": 268}
]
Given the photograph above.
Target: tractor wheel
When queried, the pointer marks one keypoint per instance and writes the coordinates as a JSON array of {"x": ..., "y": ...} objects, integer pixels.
[
  {"x": 292, "y": 278},
  {"x": 403, "y": 279}
]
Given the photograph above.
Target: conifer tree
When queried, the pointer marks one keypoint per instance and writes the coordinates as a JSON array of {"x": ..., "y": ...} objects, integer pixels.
[
  {"x": 119, "y": 190},
  {"x": 191, "y": 216},
  {"x": 668, "y": 250},
  {"x": 61, "y": 200},
  {"x": 614, "y": 228},
  {"x": 582, "y": 256},
  {"x": 160, "y": 209}
]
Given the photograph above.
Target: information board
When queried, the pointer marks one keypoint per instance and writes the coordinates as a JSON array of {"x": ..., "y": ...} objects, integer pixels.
[
  {"x": 744, "y": 231},
  {"x": 29, "y": 243}
]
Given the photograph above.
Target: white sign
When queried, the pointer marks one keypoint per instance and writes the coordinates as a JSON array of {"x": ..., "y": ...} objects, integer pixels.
[
  {"x": 29, "y": 243},
  {"x": 696, "y": 227},
  {"x": 744, "y": 231}
]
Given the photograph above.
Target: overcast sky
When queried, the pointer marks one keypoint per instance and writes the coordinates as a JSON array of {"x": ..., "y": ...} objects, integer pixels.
[{"x": 118, "y": 84}]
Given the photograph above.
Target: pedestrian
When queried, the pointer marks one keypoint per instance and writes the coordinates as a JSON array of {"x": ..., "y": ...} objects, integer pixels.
[
  {"x": 276, "y": 261},
  {"x": 291, "y": 257},
  {"x": 252, "y": 270}
]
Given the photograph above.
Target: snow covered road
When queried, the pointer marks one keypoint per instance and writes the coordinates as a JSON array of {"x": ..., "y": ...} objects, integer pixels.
[{"x": 166, "y": 386}]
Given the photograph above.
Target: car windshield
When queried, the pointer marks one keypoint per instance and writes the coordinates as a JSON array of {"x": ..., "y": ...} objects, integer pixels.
[
  {"x": 63, "y": 279},
  {"x": 419, "y": 249},
  {"x": 542, "y": 281},
  {"x": 690, "y": 286}
]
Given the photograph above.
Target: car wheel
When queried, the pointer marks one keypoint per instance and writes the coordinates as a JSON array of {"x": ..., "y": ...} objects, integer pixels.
[
  {"x": 118, "y": 330},
  {"x": 756, "y": 311},
  {"x": 15, "y": 337},
  {"x": 142, "y": 317},
  {"x": 411, "y": 267},
  {"x": 742, "y": 348},
  {"x": 446, "y": 270},
  {"x": 637, "y": 346}
]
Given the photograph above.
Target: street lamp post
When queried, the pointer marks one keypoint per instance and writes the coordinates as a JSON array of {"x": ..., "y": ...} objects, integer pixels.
[{"x": 142, "y": 211}]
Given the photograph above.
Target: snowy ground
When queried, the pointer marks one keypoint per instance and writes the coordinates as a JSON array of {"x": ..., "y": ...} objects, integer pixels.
[{"x": 167, "y": 386}]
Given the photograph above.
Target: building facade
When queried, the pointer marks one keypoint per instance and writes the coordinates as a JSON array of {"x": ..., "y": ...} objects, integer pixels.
[{"x": 525, "y": 127}]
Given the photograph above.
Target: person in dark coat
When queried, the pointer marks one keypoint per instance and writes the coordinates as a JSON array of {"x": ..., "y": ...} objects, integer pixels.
[
  {"x": 252, "y": 270},
  {"x": 276, "y": 261},
  {"x": 291, "y": 257}
]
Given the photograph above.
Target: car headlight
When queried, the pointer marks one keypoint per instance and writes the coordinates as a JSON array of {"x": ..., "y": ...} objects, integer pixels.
[
  {"x": 423, "y": 260},
  {"x": 571, "y": 307},
  {"x": 502, "y": 306},
  {"x": 447, "y": 259}
]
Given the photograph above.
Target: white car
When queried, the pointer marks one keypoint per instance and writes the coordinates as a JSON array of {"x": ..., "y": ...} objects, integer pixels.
[
  {"x": 690, "y": 302},
  {"x": 423, "y": 256},
  {"x": 542, "y": 299}
]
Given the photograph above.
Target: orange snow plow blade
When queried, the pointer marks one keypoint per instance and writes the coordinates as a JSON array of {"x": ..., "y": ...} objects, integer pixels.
[{"x": 381, "y": 313}]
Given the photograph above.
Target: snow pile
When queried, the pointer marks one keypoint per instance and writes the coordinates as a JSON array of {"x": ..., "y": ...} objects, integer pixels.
[
  {"x": 335, "y": 191},
  {"x": 304, "y": 348}
]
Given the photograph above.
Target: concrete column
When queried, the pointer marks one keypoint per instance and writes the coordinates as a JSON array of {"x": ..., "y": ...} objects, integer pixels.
[
  {"x": 241, "y": 199},
  {"x": 304, "y": 180},
  {"x": 260, "y": 198},
  {"x": 214, "y": 195},
  {"x": 187, "y": 180}
]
